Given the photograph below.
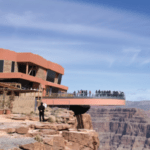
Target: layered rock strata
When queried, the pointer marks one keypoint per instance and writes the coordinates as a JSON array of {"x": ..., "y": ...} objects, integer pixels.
[{"x": 121, "y": 129}]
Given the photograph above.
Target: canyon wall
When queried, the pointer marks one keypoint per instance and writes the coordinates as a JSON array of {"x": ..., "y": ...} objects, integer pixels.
[{"x": 121, "y": 128}]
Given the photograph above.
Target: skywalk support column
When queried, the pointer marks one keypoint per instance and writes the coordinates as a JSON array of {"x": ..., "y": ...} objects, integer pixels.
[{"x": 27, "y": 68}]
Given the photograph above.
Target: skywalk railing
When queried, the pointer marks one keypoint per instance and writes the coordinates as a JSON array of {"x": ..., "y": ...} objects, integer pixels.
[{"x": 71, "y": 95}]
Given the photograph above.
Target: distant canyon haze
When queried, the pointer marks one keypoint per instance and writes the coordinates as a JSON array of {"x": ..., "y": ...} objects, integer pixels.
[
  {"x": 122, "y": 127},
  {"x": 144, "y": 104}
]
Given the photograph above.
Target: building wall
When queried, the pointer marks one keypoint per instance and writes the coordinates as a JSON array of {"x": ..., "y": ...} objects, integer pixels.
[
  {"x": 1, "y": 100},
  {"x": 30, "y": 94},
  {"x": 34, "y": 59},
  {"x": 7, "y": 66},
  {"x": 41, "y": 73},
  {"x": 24, "y": 105},
  {"x": 21, "y": 104},
  {"x": 32, "y": 79},
  {"x": 29, "y": 57},
  {"x": 16, "y": 67}
]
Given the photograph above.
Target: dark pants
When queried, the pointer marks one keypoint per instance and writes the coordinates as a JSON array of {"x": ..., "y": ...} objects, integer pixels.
[{"x": 41, "y": 114}]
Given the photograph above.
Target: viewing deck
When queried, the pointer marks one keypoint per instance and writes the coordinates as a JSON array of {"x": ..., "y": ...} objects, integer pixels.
[{"x": 93, "y": 99}]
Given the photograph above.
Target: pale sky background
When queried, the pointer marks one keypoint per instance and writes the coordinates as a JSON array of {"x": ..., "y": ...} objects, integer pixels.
[{"x": 102, "y": 45}]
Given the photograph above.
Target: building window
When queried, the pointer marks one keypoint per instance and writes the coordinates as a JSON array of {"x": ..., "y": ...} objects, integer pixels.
[
  {"x": 50, "y": 91},
  {"x": 12, "y": 66},
  {"x": 50, "y": 75},
  {"x": 21, "y": 68},
  {"x": 59, "y": 78},
  {"x": 1, "y": 65},
  {"x": 47, "y": 91},
  {"x": 55, "y": 90},
  {"x": 33, "y": 73},
  {"x": 32, "y": 70}
]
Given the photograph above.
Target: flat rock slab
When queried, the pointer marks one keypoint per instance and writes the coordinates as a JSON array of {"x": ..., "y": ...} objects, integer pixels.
[
  {"x": 53, "y": 126},
  {"x": 19, "y": 118},
  {"x": 12, "y": 143},
  {"x": 45, "y": 126},
  {"x": 22, "y": 130},
  {"x": 34, "y": 118},
  {"x": 49, "y": 132},
  {"x": 11, "y": 130},
  {"x": 33, "y": 146},
  {"x": 55, "y": 141}
]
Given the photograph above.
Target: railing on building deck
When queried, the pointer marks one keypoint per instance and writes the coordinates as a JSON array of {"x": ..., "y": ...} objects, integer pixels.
[{"x": 71, "y": 95}]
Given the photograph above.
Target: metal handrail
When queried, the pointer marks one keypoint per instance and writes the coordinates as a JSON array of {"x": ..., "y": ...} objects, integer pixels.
[{"x": 71, "y": 95}]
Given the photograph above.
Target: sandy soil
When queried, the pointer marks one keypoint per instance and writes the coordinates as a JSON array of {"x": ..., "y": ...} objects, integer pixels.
[
  {"x": 2, "y": 133},
  {"x": 7, "y": 122},
  {"x": 6, "y": 118}
]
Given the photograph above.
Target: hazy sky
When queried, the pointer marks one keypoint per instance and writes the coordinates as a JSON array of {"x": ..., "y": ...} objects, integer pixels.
[{"x": 102, "y": 45}]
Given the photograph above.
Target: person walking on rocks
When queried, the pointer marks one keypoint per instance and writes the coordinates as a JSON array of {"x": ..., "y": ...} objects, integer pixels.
[{"x": 41, "y": 109}]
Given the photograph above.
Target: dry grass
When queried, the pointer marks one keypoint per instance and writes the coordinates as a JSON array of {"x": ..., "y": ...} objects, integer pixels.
[{"x": 38, "y": 138}]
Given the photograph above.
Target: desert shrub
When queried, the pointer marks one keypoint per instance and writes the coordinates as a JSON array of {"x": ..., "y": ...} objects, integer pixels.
[
  {"x": 10, "y": 132},
  {"x": 40, "y": 130},
  {"x": 23, "y": 114},
  {"x": 50, "y": 120},
  {"x": 52, "y": 113},
  {"x": 38, "y": 138},
  {"x": 31, "y": 113},
  {"x": 58, "y": 120}
]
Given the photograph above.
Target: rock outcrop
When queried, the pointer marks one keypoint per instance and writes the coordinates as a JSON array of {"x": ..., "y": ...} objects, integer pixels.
[
  {"x": 66, "y": 140},
  {"x": 65, "y": 132},
  {"x": 22, "y": 130},
  {"x": 83, "y": 122},
  {"x": 81, "y": 140},
  {"x": 121, "y": 128}
]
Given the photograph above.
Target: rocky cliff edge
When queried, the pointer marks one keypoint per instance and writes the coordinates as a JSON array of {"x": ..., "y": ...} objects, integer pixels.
[{"x": 61, "y": 131}]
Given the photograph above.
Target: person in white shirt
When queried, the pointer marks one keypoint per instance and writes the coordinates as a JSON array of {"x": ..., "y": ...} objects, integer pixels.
[{"x": 45, "y": 105}]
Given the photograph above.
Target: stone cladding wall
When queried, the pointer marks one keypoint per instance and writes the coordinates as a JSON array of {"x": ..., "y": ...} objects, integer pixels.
[
  {"x": 24, "y": 105},
  {"x": 16, "y": 67},
  {"x": 56, "y": 78},
  {"x": 41, "y": 73},
  {"x": 21, "y": 104},
  {"x": 1, "y": 100},
  {"x": 7, "y": 66}
]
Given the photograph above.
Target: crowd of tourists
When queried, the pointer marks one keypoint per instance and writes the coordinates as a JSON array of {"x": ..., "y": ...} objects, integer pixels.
[
  {"x": 82, "y": 93},
  {"x": 99, "y": 93},
  {"x": 109, "y": 93}
]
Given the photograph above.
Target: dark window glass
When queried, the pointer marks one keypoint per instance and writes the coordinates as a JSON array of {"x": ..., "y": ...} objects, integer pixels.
[
  {"x": 33, "y": 73},
  {"x": 55, "y": 90},
  {"x": 13, "y": 66},
  {"x": 22, "y": 68},
  {"x": 1, "y": 65},
  {"x": 47, "y": 91},
  {"x": 50, "y": 75},
  {"x": 59, "y": 78},
  {"x": 50, "y": 90}
]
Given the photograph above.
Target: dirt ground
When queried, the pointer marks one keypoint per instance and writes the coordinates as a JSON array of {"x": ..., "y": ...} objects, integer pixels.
[{"x": 7, "y": 118}]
